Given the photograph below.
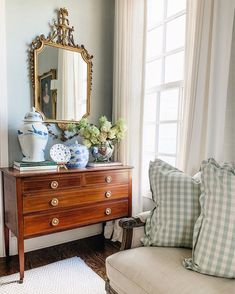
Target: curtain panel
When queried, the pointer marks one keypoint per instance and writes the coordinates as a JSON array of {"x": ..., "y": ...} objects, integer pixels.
[
  {"x": 72, "y": 85},
  {"x": 207, "y": 61},
  {"x": 129, "y": 64}
]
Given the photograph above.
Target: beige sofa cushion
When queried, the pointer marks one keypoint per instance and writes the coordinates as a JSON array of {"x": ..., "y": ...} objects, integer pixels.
[{"x": 158, "y": 270}]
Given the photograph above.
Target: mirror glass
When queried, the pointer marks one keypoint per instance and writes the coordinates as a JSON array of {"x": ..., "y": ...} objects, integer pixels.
[{"x": 62, "y": 83}]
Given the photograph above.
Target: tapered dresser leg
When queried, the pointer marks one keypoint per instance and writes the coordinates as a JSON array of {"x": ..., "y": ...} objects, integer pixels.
[
  {"x": 6, "y": 239},
  {"x": 21, "y": 257}
]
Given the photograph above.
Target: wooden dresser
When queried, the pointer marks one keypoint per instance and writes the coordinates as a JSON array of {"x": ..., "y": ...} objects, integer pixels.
[{"x": 40, "y": 203}]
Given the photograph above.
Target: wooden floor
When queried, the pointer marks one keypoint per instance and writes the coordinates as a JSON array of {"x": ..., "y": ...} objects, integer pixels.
[{"x": 93, "y": 251}]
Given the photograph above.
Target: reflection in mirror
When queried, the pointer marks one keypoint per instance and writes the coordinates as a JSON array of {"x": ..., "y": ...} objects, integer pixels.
[
  {"x": 62, "y": 83},
  {"x": 61, "y": 74}
]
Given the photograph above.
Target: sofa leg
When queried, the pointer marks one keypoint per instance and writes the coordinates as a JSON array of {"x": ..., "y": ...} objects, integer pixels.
[{"x": 108, "y": 288}]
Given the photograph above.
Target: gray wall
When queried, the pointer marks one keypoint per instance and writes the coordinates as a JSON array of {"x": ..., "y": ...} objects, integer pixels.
[{"x": 93, "y": 21}]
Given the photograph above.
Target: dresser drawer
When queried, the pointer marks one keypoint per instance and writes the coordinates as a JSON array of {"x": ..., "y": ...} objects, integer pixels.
[
  {"x": 106, "y": 178},
  {"x": 58, "y": 221},
  {"x": 51, "y": 183},
  {"x": 34, "y": 203}
]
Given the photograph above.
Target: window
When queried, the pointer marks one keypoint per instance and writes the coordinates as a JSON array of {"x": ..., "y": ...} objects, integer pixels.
[{"x": 165, "y": 45}]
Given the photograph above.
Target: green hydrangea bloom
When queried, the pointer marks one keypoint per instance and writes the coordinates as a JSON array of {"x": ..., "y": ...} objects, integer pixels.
[
  {"x": 112, "y": 134},
  {"x": 102, "y": 120},
  {"x": 87, "y": 143},
  {"x": 94, "y": 135},
  {"x": 106, "y": 126},
  {"x": 102, "y": 137}
]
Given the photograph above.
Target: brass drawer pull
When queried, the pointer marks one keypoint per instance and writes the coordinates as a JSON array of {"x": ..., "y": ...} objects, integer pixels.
[
  {"x": 55, "y": 222},
  {"x": 108, "y": 211},
  {"x": 108, "y": 179},
  {"x": 108, "y": 194},
  {"x": 54, "y": 184},
  {"x": 54, "y": 202}
]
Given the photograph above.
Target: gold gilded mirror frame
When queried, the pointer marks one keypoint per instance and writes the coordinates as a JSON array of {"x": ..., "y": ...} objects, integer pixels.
[{"x": 61, "y": 36}]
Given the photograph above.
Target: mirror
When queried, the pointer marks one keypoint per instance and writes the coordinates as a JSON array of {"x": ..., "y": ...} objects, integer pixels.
[
  {"x": 62, "y": 78},
  {"x": 61, "y": 74}
]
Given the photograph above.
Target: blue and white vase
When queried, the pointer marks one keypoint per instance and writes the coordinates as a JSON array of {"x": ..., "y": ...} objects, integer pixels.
[
  {"x": 33, "y": 137},
  {"x": 102, "y": 152},
  {"x": 79, "y": 156}
]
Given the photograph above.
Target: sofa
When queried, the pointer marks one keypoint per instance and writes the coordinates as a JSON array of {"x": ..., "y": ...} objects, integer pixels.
[{"x": 156, "y": 270}]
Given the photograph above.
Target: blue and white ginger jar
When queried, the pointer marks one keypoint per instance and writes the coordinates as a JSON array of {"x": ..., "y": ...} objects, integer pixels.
[
  {"x": 33, "y": 137},
  {"x": 79, "y": 156}
]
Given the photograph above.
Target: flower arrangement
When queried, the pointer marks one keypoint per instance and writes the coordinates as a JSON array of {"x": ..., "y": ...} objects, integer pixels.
[{"x": 97, "y": 135}]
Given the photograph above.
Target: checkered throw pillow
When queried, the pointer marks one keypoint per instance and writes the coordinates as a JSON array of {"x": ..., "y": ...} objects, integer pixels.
[
  {"x": 176, "y": 199},
  {"x": 214, "y": 232}
]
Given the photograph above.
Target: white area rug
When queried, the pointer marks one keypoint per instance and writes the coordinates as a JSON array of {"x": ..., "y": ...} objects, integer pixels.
[{"x": 69, "y": 276}]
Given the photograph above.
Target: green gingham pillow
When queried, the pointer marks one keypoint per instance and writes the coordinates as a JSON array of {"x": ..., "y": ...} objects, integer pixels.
[
  {"x": 214, "y": 232},
  {"x": 176, "y": 199}
]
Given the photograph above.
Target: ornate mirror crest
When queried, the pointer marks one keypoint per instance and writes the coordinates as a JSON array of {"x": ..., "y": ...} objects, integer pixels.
[{"x": 60, "y": 38}]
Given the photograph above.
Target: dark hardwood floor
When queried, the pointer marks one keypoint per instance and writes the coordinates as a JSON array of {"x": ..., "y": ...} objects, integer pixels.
[{"x": 92, "y": 250}]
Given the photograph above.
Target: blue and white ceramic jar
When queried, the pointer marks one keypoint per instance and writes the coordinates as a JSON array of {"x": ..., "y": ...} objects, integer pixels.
[
  {"x": 79, "y": 156},
  {"x": 102, "y": 152},
  {"x": 33, "y": 137}
]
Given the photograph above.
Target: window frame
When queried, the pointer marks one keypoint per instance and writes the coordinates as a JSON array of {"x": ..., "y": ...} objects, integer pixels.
[{"x": 179, "y": 84}]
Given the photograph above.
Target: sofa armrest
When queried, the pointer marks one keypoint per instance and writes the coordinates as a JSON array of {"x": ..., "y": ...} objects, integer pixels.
[
  {"x": 130, "y": 226},
  {"x": 131, "y": 222}
]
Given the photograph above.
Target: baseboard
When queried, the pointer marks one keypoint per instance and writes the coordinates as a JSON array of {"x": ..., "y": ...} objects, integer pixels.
[{"x": 55, "y": 239}]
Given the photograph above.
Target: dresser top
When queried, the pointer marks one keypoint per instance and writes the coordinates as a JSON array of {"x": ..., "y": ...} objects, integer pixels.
[{"x": 20, "y": 174}]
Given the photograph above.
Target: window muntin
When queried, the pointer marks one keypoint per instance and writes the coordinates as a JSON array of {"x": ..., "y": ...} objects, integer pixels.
[{"x": 165, "y": 46}]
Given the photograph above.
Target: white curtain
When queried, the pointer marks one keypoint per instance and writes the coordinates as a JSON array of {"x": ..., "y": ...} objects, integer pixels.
[
  {"x": 208, "y": 49},
  {"x": 129, "y": 64},
  {"x": 229, "y": 138},
  {"x": 129, "y": 61},
  {"x": 72, "y": 86}
]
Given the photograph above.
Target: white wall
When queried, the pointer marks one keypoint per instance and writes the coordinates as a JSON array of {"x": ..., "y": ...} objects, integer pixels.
[
  {"x": 93, "y": 22},
  {"x": 3, "y": 111},
  {"x": 21, "y": 21},
  {"x": 54, "y": 239}
]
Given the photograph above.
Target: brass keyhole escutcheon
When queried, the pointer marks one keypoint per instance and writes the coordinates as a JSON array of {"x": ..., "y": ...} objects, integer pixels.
[
  {"x": 54, "y": 202},
  {"x": 54, "y": 184},
  {"x": 108, "y": 179},
  {"x": 108, "y": 194},
  {"x": 55, "y": 221},
  {"x": 108, "y": 211}
]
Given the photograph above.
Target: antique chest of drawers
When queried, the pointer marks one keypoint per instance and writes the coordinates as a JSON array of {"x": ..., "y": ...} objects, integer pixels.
[{"x": 40, "y": 203}]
